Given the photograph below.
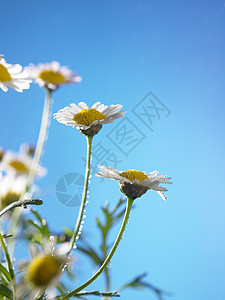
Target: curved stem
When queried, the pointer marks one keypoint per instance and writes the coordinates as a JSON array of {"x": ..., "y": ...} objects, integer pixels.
[
  {"x": 109, "y": 257},
  {"x": 22, "y": 203},
  {"x": 77, "y": 228},
  {"x": 41, "y": 139}
]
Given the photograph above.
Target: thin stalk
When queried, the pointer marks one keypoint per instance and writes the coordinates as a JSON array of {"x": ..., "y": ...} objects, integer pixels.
[
  {"x": 41, "y": 139},
  {"x": 107, "y": 279},
  {"x": 36, "y": 159},
  {"x": 109, "y": 257},
  {"x": 107, "y": 274},
  {"x": 76, "y": 232}
]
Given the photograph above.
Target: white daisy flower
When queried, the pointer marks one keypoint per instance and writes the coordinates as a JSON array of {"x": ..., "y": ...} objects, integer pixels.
[
  {"x": 42, "y": 271},
  {"x": 11, "y": 188},
  {"x": 12, "y": 76},
  {"x": 134, "y": 183},
  {"x": 88, "y": 120},
  {"x": 52, "y": 75},
  {"x": 19, "y": 164}
]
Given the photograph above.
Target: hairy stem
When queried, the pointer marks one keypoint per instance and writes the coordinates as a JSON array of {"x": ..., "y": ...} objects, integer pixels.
[
  {"x": 110, "y": 255},
  {"x": 77, "y": 228}
]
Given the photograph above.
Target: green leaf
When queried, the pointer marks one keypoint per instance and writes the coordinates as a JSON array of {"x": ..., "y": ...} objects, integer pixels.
[
  {"x": 88, "y": 250},
  {"x": 30, "y": 222},
  {"x": 138, "y": 283},
  {"x": 36, "y": 214},
  {"x": 68, "y": 231},
  {"x": 43, "y": 223},
  {"x": 5, "y": 291},
  {"x": 5, "y": 272}
]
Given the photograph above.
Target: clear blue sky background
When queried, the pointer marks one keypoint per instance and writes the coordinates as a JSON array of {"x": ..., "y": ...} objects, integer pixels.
[{"x": 123, "y": 50}]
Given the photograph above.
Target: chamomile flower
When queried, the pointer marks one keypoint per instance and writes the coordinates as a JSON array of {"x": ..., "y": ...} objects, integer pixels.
[
  {"x": 42, "y": 272},
  {"x": 12, "y": 76},
  {"x": 19, "y": 164},
  {"x": 52, "y": 75},
  {"x": 11, "y": 189},
  {"x": 88, "y": 120},
  {"x": 134, "y": 183}
]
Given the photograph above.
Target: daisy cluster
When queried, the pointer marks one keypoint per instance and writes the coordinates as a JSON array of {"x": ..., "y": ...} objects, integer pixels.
[{"x": 47, "y": 263}]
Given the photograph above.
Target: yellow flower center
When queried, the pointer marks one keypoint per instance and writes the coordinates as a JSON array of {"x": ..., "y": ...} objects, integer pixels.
[
  {"x": 43, "y": 269},
  {"x": 19, "y": 166},
  {"x": 53, "y": 77},
  {"x": 134, "y": 174},
  {"x": 87, "y": 116},
  {"x": 4, "y": 74}
]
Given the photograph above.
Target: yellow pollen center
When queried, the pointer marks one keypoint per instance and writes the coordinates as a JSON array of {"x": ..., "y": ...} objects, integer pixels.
[
  {"x": 4, "y": 74},
  {"x": 42, "y": 270},
  {"x": 134, "y": 174},
  {"x": 87, "y": 116},
  {"x": 18, "y": 166},
  {"x": 52, "y": 77}
]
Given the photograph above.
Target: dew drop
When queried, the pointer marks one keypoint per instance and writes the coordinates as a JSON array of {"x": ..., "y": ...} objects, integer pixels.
[{"x": 84, "y": 216}]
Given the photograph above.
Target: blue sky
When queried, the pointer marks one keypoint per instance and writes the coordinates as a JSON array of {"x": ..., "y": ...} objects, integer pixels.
[{"x": 123, "y": 50}]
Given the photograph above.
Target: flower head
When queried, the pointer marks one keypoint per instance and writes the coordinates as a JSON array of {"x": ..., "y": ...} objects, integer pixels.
[
  {"x": 134, "y": 183},
  {"x": 42, "y": 271},
  {"x": 12, "y": 76},
  {"x": 52, "y": 75},
  {"x": 88, "y": 120},
  {"x": 19, "y": 163},
  {"x": 11, "y": 189}
]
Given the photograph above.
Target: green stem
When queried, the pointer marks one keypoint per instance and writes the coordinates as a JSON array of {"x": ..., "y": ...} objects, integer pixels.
[
  {"x": 107, "y": 279},
  {"x": 107, "y": 275},
  {"x": 9, "y": 262},
  {"x": 109, "y": 257},
  {"x": 41, "y": 139},
  {"x": 76, "y": 232}
]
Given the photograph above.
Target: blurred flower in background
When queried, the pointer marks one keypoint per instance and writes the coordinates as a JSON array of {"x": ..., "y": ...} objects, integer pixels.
[
  {"x": 43, "y": 270},
  {"x": 11, "y": 189},
  {"x": 52, "y": 75},
  {"x": 14, "y": 168},
  {"x": 20, "y": 163},
  {"x": 12, "y": 76}
]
